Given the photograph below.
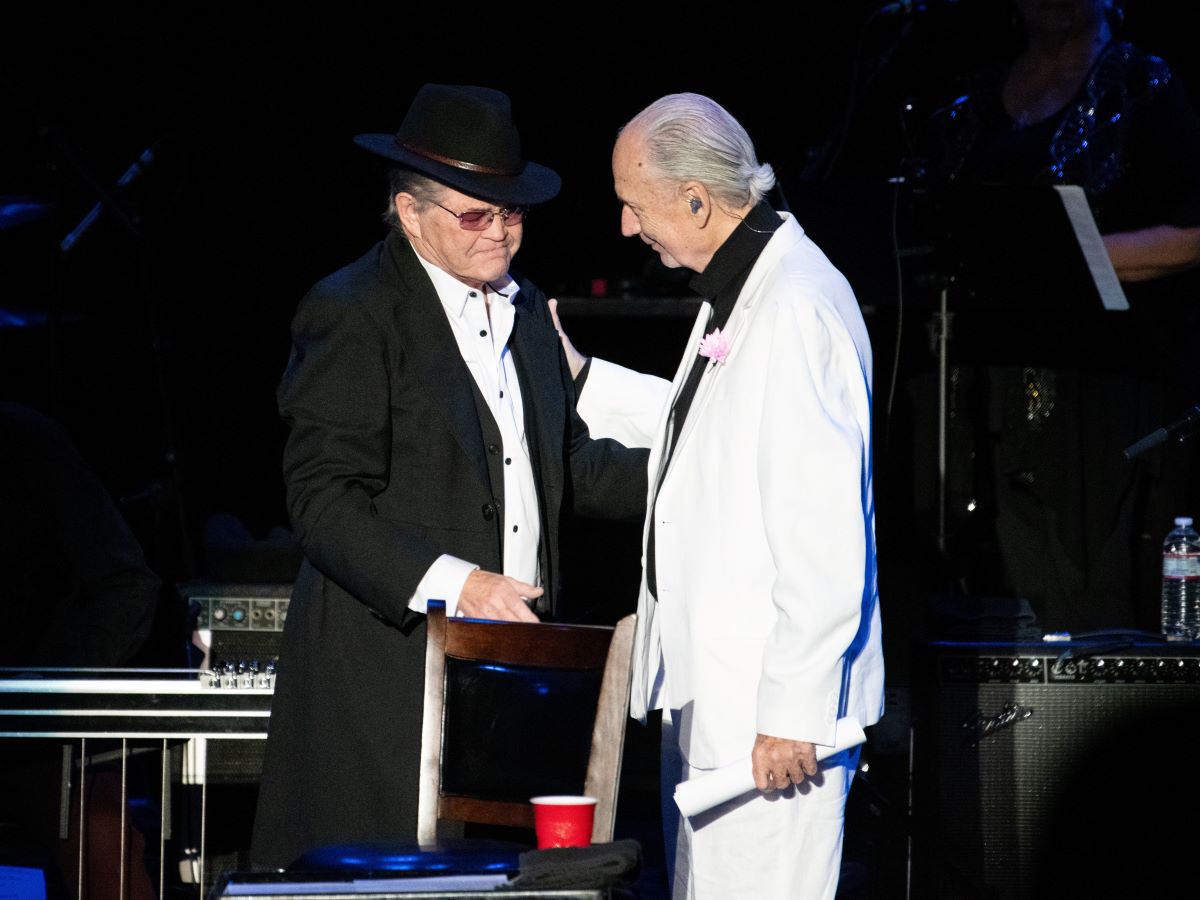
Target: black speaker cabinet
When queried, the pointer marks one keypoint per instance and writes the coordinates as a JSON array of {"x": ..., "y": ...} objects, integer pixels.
[{"x": 1055, "y": 767}]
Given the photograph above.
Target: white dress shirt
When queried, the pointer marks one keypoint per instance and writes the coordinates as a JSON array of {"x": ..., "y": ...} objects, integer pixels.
[{"x": 482, "y": 321}]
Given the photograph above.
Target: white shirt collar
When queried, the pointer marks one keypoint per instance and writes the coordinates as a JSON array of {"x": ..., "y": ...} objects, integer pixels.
[{"x": 455, "y": 295}]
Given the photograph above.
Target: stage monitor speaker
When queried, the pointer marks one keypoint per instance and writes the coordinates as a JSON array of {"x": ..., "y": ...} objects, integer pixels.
[
  {"x": 1050, "y": 768},
  {"x": 239, "y": 624}
]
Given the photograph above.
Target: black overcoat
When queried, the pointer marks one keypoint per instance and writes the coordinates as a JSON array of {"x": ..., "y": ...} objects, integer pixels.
[{"x": 393, "y": 460}]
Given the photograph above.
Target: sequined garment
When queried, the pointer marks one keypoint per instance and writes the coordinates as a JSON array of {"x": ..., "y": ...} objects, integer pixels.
[
  {"x": 1088, "y": 146},
  {"x": 1087, "y": 149},
  {"x": 1041, "y": 503}
]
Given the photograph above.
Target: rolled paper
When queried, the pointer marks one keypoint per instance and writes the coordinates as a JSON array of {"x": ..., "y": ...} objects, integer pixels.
[{"x": 737, "y": 778}]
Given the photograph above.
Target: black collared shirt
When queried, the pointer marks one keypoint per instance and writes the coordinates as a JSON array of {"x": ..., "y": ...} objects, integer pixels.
[{"x": 720, "y": 283}]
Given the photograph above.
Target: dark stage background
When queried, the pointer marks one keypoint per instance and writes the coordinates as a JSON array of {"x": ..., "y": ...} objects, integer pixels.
[
  {"x": 159, "y": 339},
  {"x": 172, "y": 325}
]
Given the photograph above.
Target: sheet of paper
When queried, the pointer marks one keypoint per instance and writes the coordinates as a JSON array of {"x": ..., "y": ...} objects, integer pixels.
[{"x": 1080, "y": 214}]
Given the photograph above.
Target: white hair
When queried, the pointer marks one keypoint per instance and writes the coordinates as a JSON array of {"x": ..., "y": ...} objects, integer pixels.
[{"x": 689, "y": 137}]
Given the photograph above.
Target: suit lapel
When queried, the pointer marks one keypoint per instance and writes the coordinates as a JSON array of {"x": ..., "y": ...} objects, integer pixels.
[
  {"x": 534, "y": 369},
  {"x": 735, "y": 329},
  {"x": 433, "y": 352},
  {"x": 658, "y": 455},
  {"x": 537, "y": 370}
]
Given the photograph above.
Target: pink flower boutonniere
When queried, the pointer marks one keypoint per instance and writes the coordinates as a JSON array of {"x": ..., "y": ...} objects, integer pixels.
[{"x": 715, "y": 346}]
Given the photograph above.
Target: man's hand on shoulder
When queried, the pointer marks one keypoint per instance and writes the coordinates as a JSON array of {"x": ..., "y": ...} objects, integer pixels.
[
  {"x": 575, "y": 359},
  {"x": 779, "y": 762},
  {"x": 487, "y": 595}
]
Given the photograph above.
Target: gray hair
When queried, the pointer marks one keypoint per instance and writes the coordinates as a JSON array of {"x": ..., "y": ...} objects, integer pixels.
[
  {"x": 405, "y": 181},
  {"x": 689, "y": 137}
]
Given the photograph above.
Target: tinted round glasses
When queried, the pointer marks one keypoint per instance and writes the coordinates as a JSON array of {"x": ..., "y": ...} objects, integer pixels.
[{"x": 481, "y": 219}]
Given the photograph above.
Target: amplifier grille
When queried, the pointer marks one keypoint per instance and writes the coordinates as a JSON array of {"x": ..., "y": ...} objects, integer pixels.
[{"x": 1019, "y": 760}]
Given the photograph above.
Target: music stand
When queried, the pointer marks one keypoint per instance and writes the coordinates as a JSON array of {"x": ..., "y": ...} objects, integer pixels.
[
  {"x": 1008, "y": 253},
  {"x": 1030, "y": 243}
]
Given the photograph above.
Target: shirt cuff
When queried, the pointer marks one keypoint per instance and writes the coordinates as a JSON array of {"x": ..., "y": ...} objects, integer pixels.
[{"x": 444, "y": 581}]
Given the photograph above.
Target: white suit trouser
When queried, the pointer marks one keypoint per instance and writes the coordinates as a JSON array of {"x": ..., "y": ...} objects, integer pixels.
[{"x": 781, "y": 846}]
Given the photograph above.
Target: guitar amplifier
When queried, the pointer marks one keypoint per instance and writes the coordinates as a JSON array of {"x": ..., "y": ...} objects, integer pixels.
[
  {"x": 238, "y": 624},
  {"x": 1051, "y": 768}
]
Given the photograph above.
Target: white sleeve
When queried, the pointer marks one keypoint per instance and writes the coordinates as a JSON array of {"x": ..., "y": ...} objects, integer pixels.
[
  {"x": 443, "y": 580},
  {"x": 812, "y": 467},
  {"x": 622, "y": 404}
]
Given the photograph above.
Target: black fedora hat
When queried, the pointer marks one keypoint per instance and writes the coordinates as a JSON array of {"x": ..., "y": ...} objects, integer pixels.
[{"x": 464, "y": 137}]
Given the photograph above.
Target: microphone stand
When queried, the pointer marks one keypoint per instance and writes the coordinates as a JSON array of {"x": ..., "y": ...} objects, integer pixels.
[
  {"x": 821, "y": 164},
  {"x": 107, "y": 201},
  {"x": 1180, "y": 429}
]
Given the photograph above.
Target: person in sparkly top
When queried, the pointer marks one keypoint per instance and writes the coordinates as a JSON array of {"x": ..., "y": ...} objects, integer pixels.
[
  {"x": 1079, "y": 106},
  {"x": 1069, "y": 524}
]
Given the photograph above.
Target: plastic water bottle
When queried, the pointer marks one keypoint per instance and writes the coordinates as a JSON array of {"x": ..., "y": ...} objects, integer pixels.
[{"x": 1181, "y": 583}]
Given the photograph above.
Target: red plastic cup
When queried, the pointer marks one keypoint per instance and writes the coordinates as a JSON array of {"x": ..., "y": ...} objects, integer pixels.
[{"x": 563, "y": 821}]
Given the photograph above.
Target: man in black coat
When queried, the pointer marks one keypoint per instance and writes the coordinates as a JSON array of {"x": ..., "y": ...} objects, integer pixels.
[{"x": 434, "y": 443}]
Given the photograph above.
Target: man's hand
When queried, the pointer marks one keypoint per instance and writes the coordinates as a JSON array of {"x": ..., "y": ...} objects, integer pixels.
[
  {"x": 486, "y": 595},
  {"x": 575, "y": 359},
  {"x": 779, "y": 762}
]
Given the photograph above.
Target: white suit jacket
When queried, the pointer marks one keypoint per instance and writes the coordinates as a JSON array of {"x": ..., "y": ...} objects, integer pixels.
[{"x": 767, "y": 618}]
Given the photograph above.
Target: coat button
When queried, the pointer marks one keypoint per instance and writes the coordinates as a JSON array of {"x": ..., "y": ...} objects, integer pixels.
[
  {"x": 488, "y": 511},
  {"x": 493, "y": 449}
]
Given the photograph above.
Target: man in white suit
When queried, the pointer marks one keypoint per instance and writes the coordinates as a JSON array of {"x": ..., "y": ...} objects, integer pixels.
[{"x": 758, "y": 617}]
